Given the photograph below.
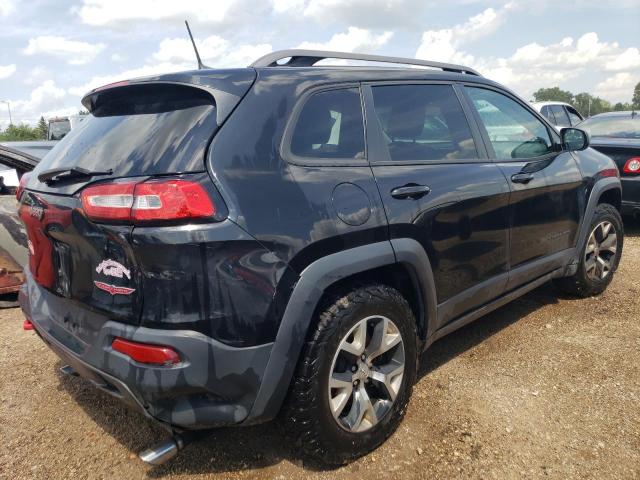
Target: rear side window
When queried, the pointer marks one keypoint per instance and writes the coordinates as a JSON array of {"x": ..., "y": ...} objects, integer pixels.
[
  {"x": 423, "y": 122},
  {"x": 562, "y": 120},
  {"x": 574, "y": 116},
  {"x": 514, "y": 132},
  {"x": 140, "y": 130},
  {"x": 330, "y": 126}
]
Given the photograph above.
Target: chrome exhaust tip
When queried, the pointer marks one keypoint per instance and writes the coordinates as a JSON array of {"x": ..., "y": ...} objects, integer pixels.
[
  {"x": 162, "y": 452},
  {"x": 68, "y": 370}
]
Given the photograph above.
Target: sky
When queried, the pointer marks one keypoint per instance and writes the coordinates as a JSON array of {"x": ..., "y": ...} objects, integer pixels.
[{"x": 52, "y": 52}]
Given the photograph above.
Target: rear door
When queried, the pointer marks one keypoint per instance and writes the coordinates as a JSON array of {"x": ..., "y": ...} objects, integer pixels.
[
  {"x": 439, "y": 187},
  {"x": 545, "y": 181}
]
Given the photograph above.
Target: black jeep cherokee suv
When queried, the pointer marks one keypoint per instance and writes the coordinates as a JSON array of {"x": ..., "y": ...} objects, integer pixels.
[{"x": 217, "y": 246}]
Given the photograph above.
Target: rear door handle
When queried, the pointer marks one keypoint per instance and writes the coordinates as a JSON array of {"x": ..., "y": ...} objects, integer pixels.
[
  {"x": 522, "y": 177},
  {"x": 410, "y": 191}
]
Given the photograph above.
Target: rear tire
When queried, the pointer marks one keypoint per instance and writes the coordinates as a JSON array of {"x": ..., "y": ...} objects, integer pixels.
[
  {"x": 349, "y": 348},
  {"x": 599, "y": 255}
]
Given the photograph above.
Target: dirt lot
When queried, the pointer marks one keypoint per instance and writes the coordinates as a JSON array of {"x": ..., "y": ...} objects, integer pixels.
[{"x": 544, "y": 387}]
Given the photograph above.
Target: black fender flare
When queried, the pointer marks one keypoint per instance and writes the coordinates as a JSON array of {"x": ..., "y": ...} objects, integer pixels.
[
  {"x": 601, "y": 186},
  {"x": 306, "y": 295}
]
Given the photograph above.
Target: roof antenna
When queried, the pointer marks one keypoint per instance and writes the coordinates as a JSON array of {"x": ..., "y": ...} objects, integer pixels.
[{"x": 200, "y": 64}]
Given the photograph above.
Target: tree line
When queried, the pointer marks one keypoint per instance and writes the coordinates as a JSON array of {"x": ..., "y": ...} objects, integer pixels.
[
  {"x": 586, "y": 103},
  {"x": 24, "y": 132}
]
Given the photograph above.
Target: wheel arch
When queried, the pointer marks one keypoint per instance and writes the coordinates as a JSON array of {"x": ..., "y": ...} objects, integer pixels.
[
  {"x": 403, "y": 259},
  {"x": 605, "y": 190}
]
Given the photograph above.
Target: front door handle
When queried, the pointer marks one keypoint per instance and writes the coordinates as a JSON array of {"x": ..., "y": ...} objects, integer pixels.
[
  {"x": 410, "y": 191},
  {"x": 522, "y": 177}
]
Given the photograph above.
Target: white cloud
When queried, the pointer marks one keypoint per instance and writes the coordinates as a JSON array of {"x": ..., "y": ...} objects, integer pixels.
[
  {"x": 619, "y": 87},
  {"x": 176, "y": 54},
  {"x": 280, "y": 6},
  {"x": 74, "y": 52},
  {"x": 47, "y": 99},
  {"x": 6, "y": 7},
  {"x": 627, "y": 60},
  {"x": 7, "y": 70},
  {"x": 355, "y": 39},
  {"x": 534, "y": 65},
  {"x": 376, "y": 14},
  {"x": 109, "y": 12},
  {"x": 443, "y": 45},
  {"x": 215, "y": 52}
]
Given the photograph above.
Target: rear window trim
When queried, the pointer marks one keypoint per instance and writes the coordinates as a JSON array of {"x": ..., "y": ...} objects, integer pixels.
[{"x": 285, "y": 143}]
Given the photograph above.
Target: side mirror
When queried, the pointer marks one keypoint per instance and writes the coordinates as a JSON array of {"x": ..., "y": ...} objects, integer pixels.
[{"x": 574, "y": 139}]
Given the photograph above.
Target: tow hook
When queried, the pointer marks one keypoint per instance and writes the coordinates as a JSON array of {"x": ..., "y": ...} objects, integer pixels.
[{"x": 166, "y": 450}]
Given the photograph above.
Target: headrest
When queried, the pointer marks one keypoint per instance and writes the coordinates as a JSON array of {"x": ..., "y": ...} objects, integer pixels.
[
  {"x": 406, "y": 122},
  {"x": 314, "y": 127}
]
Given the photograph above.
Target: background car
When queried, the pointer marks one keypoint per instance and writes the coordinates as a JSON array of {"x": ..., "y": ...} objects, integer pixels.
[
  {"x": 617, "y": 135},
  {"x": 560, "y": 114},
  {"x": 13, "y": 240}
]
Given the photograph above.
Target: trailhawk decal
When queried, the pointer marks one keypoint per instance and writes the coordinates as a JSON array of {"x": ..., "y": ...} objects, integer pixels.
[
  {"x": 112, "y": 289},
  {"x": 112, "y": 268}
]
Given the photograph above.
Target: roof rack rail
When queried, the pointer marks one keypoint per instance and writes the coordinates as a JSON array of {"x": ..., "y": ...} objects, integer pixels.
[{"x": 308, "y": 58}]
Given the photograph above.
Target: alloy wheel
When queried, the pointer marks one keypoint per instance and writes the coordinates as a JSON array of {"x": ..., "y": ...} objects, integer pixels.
[
  {"x": 600, "y": 252},
  {"x": 366, "y": 373}
]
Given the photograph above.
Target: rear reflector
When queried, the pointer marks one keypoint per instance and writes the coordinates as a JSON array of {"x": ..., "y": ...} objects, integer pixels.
[
  {"x": 146, "y": 353},
  {"x": 27, "y": 325},
  {"x": 632, "y": 165},
  {"x": 153, "y": 200}
]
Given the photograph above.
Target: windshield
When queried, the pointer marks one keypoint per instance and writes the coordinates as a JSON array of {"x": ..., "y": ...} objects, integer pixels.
[
  {"x": 144, "y": 130},
  {"x": 613, "y": 126},
  {"x": 58, "y": 129}
]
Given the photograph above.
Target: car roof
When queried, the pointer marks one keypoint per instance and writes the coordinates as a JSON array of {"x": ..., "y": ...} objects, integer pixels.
[{"x": 544, "y": 104}]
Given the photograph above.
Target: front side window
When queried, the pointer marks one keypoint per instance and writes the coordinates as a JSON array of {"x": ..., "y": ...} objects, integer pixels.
[
  {"x": 423, "y": 122},
  {"x": 546, "y": 112},
  {"x": 562, "y": 120},
  {"x": 330, "y": 126},
  {"x": 514, "y": 132}
]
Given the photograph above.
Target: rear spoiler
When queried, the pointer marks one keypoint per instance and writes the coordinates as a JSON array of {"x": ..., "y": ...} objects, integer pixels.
[{"x": 226, "y": 87}]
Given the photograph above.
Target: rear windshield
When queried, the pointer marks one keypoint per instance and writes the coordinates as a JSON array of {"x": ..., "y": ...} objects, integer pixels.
[
  {"x": 613, "y": 126},
  {"x": 140, "y": 130}
]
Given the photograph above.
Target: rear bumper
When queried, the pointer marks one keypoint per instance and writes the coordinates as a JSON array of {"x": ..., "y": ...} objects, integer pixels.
[
  {"x": 630, "y": 195},
  {"x": 214, "y": 385}
]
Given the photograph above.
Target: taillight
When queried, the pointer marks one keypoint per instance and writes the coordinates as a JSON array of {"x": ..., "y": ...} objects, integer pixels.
[
  {"x": 27, "y": 325},
  {"x": 170, "y": 200},
  {"x": 632, "y": 165},
  {"x": 153, "y": 200},
  {"x": 146, "y": 353},
  {"x": 21, "y": 184},
  {"x": 109, "y": 201}
]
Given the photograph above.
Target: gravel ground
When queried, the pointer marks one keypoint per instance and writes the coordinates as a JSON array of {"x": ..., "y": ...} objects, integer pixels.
[{"x": 544, "y": 387}]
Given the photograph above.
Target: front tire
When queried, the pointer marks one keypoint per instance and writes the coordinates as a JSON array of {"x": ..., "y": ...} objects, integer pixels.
[
  {"x": 599, "y": 256},
  {"x": 355, "y": 375}
]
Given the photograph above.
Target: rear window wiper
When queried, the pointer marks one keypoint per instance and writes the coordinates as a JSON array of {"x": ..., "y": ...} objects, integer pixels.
[{"x": 58, "y": 174}]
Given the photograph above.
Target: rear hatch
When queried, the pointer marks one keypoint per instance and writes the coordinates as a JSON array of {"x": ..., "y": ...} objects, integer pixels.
[{"x": 141, "y": 142}]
